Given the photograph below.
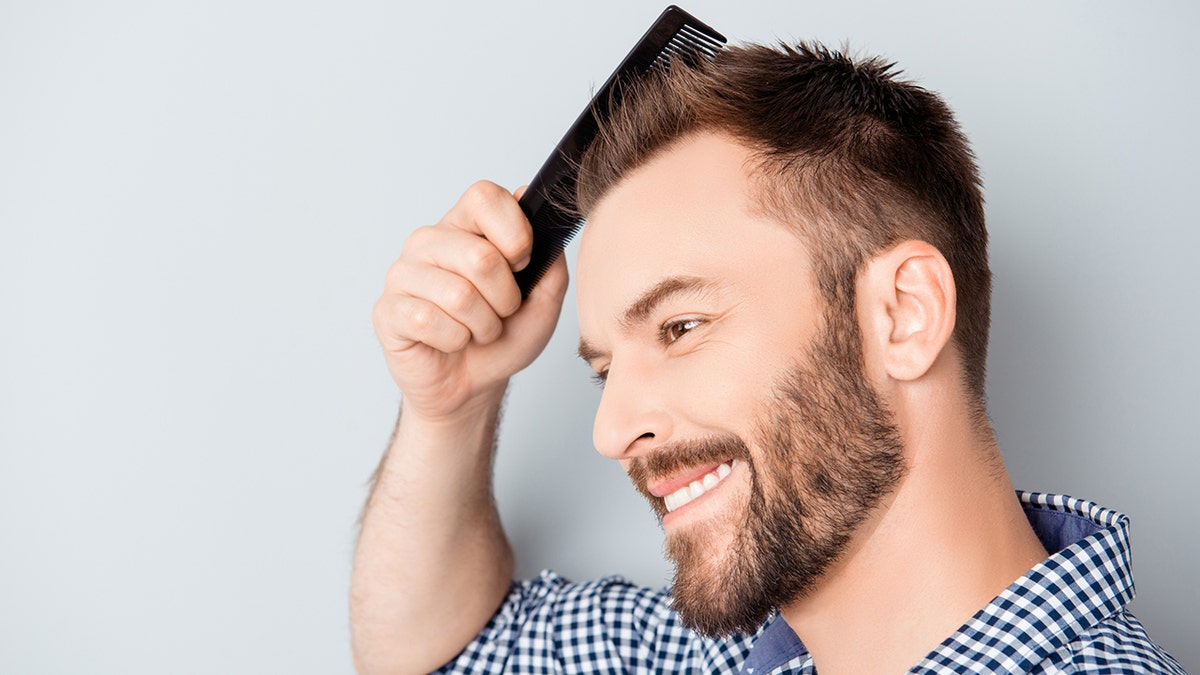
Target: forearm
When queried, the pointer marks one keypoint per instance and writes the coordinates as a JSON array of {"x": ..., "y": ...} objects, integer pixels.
[{"x": 432, "y": 563}]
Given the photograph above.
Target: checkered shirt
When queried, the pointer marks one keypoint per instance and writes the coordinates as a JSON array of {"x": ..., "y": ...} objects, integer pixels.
[{"x": 1066, "y": 615}]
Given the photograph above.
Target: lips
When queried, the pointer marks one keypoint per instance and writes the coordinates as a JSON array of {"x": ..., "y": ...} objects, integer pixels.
[{"x": 676, "y": 474}]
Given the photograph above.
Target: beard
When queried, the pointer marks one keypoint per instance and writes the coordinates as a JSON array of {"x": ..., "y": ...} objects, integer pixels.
[{"x": 828, "y": 452}]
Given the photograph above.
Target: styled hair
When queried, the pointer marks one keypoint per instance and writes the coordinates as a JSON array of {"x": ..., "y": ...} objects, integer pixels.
[{"x": 851, "y": 157}]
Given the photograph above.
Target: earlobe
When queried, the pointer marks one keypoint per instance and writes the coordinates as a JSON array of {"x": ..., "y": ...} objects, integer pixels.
[{"x": 915, "y": 296}]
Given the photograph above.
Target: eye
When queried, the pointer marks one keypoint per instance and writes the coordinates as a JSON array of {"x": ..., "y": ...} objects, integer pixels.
[
  {"x": 600, "y": 378},
  {"x": 673, "y": 330}
]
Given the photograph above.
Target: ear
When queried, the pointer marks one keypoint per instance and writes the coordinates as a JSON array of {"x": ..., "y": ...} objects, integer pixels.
[{"x": 907, "y": 305}]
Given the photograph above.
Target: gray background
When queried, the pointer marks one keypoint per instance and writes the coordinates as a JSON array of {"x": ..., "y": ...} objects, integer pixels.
[{"x": 198, "y": 202}]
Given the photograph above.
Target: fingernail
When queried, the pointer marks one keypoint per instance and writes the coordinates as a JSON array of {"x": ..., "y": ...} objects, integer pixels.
[{"x": 521, "y": 264}]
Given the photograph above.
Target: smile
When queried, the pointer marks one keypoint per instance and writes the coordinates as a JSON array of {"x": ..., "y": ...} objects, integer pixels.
[{"x": 698, "y": 487}]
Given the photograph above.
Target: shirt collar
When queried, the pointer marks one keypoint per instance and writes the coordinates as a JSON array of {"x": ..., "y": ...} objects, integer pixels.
[{"x": 1087, "y": 577}]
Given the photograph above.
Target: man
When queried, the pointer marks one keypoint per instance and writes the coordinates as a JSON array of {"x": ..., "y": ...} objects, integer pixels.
[{"x": 783, "y": 285}]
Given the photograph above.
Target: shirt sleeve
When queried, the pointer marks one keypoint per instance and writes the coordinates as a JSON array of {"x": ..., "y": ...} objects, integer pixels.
[{"x": 550, "y": 625}]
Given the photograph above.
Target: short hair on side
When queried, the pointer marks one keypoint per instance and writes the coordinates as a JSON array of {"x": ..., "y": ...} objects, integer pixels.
[{"x": 854, "y": 158}]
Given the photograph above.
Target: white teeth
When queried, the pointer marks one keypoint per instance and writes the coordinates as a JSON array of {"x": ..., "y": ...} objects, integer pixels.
[{"x": 696, "y": 488}]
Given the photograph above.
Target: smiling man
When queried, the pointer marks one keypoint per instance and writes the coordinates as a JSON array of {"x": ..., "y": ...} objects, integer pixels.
[{"x": 783, "y": 285}]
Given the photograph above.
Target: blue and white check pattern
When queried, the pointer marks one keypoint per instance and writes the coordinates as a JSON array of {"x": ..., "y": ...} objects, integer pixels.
[{"x": 1066, "y": 615}]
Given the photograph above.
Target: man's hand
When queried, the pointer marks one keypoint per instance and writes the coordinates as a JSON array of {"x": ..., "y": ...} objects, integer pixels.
[
  {"x": 451, "y": 321},
  {"x": 432, "y": 562}
]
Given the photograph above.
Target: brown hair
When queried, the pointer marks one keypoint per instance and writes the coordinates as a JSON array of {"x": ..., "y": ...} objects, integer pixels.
[{"x": 852, "y": 157}]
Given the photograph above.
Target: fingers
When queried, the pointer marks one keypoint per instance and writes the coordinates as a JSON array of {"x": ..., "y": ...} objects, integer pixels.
[
  {"x": 552, "y": 287},
  {"x": 471, "y": 257},
  {"x": 539, "y": 313},
  {"x": 453, "y": 295},
  {"x": 403, "y": 322},
  {"x": 490, "y": 211},
  {"x": 453, "y": 283}
]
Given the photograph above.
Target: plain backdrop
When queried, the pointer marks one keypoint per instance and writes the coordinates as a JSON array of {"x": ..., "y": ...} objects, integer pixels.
[{"x": 199, "y": 200}]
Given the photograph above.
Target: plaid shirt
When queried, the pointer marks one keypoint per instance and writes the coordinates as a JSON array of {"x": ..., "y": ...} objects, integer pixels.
[{"x": 1066, "y": 615}]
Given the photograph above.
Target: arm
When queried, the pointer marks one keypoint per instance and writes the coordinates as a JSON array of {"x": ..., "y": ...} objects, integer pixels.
[{"x": 432, "y": 562}]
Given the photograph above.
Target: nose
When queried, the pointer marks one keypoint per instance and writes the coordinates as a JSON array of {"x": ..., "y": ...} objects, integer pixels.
[{"x": 633, "y": 415}]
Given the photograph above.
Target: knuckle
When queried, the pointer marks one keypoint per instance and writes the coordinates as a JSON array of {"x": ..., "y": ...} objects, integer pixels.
[
  {"x": 485, "y": 258},
  {"x": 422, "y": 317},
  {"x": 420, "y": 238},
  {"x": 485, "y": 193},
  {"x": 458, "y": 295},
  {"x": 395, "y": 275}
]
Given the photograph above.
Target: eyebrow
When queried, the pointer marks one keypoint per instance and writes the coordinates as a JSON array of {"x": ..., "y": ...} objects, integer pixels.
[{"x": 641, "y": 309}]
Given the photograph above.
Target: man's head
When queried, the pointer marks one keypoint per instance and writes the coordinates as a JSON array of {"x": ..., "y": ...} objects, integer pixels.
[
  {"x": 850, "y": 157},
  {"x": 733, "y": 210}
]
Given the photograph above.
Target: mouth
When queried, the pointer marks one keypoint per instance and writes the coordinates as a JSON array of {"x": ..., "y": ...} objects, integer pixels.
[
  {"x": 678, "y": 474},
  {"x": 693, "y": 487}
]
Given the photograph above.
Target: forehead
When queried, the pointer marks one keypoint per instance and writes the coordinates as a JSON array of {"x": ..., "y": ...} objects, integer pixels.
[{"x": 688, "y": 212}]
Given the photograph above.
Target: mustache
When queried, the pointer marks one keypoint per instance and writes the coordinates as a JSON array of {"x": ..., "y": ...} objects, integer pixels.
[{"x": 676, "y": 457}]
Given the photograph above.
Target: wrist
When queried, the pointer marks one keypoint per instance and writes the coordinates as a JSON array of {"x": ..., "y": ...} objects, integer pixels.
[{"x": 482, "y": 409}]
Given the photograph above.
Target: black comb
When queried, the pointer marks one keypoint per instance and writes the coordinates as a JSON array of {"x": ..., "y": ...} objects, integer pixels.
[{"x": 675, "y": 35}]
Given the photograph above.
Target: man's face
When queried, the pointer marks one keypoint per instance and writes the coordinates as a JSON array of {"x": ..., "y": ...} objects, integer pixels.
[{"x": 735, "y": 401}]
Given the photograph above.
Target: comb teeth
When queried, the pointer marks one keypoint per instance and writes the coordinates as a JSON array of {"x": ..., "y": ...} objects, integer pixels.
[
  {"x": 674, "y": 35},
  {"x": 699, "y": 41},
  {"x": 688, "y": 44}
]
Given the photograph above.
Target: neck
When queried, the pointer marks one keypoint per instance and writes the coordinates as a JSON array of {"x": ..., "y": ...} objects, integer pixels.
[{"x": 951, "y": 538}]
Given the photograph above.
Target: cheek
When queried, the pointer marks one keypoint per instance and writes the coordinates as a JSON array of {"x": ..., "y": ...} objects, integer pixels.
[{"x": 721, "y": 387}]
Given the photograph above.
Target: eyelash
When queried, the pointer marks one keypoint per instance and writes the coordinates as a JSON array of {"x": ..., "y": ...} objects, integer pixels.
[
  {"x": 688, "y": 325},
  {"x": 664, "y": 336}
]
